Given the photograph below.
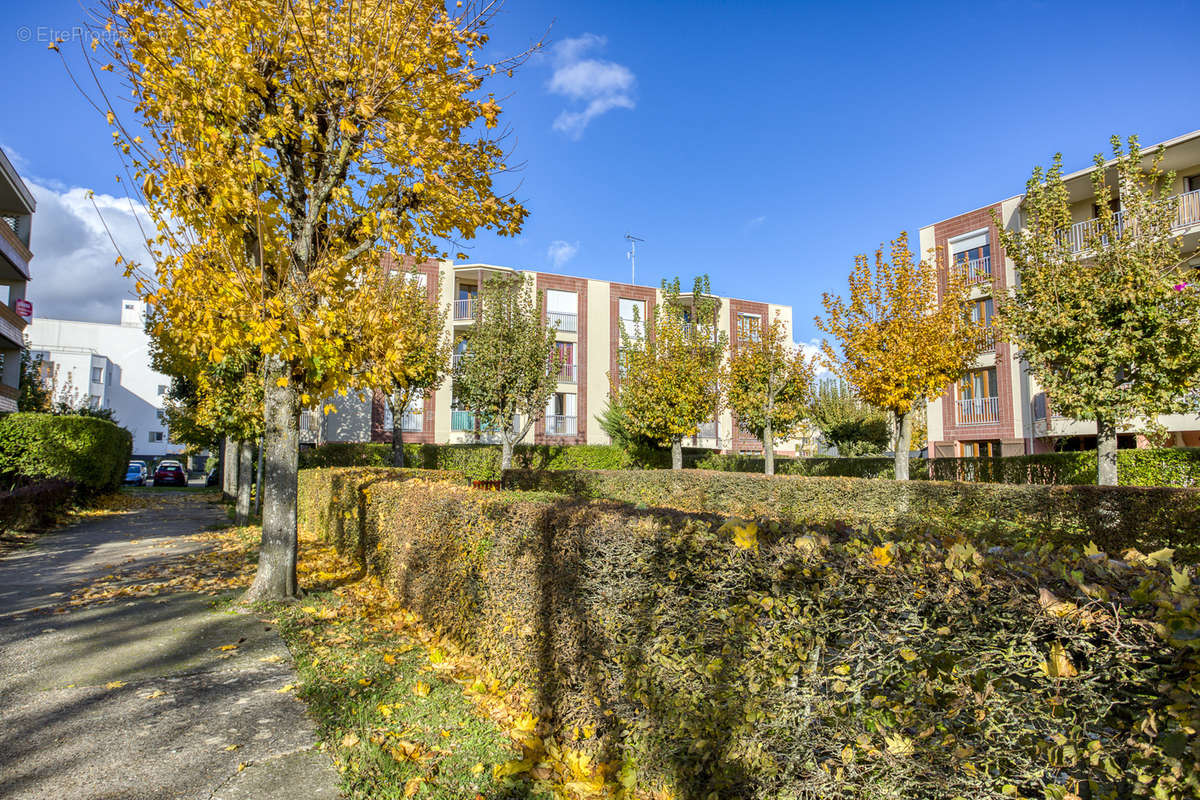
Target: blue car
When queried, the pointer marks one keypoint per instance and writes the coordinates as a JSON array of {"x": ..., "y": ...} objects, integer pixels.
[{"x": 135, "y": 474}]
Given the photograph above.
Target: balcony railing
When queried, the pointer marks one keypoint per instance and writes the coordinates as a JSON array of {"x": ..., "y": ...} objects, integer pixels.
[
  {"x": 412, "y": 421},
  {"x": 989, "y": 340},
  {"x": 462, "y": 421},
  {"x": 559, "y": 425},
  {"x": 563, "y": 321},
  {"x": 464, "y": 309},
  {"x": 974, "y": 271},
  {"x": 568, "y": 373},
  {"x": 978, "y": 411},
  {"x": 456, "y": 359},
  {"x": 708, "y": 430},
  {"x": 1187, "y": 213}
]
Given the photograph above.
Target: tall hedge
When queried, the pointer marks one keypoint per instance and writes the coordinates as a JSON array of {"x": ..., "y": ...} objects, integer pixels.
[
  {"x": 761, "y": 659},
  {"x": 90, "y": 452},
  {"x": 477, "y": 461},
  {"x": 1115, "y": 517}
]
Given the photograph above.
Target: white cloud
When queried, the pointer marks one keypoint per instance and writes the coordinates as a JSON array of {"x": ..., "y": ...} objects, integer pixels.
[
  {"x": 600, "y": 85},
  {"x": 74, "y": 272},
  {"x": 560, "y": 252},
  {"x": 756, "y": 222},
  {"x": 812, "y": 350}
]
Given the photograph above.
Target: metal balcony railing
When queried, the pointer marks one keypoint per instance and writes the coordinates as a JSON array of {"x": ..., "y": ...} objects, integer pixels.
[
  {"x": 708, "y": 430},
  {"x": 978, "y": 411},
  {"x": 1079, "y": 234},
  {"x": 989, "y": 339},
  {"x": 558, "y": 425},
  {"x": 456, "y": 359},
  {"x": 563, "y": 321},
  {"x": 462, "y": 421},
  {"x": 464, "y": 309},
  {"x": 974, "y": 271},
  {"x": 412, "y": 421},
  {"x": 567, "y": 373}
]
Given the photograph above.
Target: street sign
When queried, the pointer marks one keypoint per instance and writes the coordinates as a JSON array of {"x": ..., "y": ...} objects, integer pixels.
[{"x": 24, "y": 308}]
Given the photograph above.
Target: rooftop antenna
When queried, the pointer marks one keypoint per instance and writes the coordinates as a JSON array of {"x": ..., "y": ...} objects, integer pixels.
[{"x": 632, "y": 256}]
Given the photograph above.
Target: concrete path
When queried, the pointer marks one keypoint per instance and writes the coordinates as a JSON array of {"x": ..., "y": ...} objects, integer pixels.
[{"x": 137, "y": 699}]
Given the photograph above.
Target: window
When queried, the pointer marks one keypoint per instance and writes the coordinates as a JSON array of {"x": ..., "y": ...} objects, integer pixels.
[
  {"x": 989, "y": 449},
  {"x": 156, "y": 436},
  {"x": 562, "y": 310},
  {"x": 1192, "y": 183},
  {"x": 97, "y": 374},
  {"x": 981, "y": 313},
  {"x": 464, "y": 304},
  {"x": 972, "y": 257},
  {"x": 566, "y": 361},
  {"x": 978, "y": 384},
  {"x": 560, "y": 414},
  {"x": 633, "y": 316},
  {"x": 749, "y": 327},
  {"x": 411, "y": 420},
  {"x": 94, "y": 401},
  {"x": 161, "y": 390},
  {"x": 419, "y": 278}
]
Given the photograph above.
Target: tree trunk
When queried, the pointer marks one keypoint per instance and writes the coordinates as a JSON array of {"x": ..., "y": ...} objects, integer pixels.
[
  {"x": 902, "y": 440},
  {"x": 1106, "y": 451},
  {"x": 245, "y": 476},
  {"x": 258, "y": 486},
  {"x": 677, "y": 454},
  {"x": 229, "y": 465},
  {"x": 506, "y": 451},
  {"x": 276, "y": 576},
  {"x": 397, "y": 440},
  {"x": 768, "y": 449}
]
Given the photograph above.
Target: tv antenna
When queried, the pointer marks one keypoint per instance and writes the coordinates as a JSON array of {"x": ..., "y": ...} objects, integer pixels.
[{"x": 632, "y": 256}]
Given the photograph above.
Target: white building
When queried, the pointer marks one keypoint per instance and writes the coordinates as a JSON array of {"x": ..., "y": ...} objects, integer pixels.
[{"x": 108, "y": 366}]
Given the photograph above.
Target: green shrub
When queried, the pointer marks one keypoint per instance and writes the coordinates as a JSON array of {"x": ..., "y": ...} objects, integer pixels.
[
  {"x": 477, "y": 461},
  {"x": 35, "y": 506},
  {"x": 859, "y": 467},
  {"x": 1115, "y": 517},
  {"x": 88, "y": 451},
  {"x": 770, "y": 660}
]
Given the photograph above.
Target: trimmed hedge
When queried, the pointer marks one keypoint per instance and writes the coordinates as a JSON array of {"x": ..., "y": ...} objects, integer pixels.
[
  {"x": 87, "y": 451},
  {"x": 766, "y": 660},
  {"x": 1115, "y": 517},
  {"x": 864, "y": 467},
  {"x": 477, "y": 461},
  {"x": 35, "y": 506}
]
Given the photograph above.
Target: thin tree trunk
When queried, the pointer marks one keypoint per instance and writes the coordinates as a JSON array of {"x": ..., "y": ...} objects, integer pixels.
[
  {"x": 677, "y": 454},
  {"x": 768, "y": 449},
  {"x": 258, "y": 483},
  {"x": 229, "y": 475},
  {"x": 245, "y": 476},
  {"x": 902, "y": 440},
  {"x": 276, "y": 576},
  {"x": 506, "y": 451},
  {"x": 397, "y": 441},
  {"x": 1106, "y": 451}
]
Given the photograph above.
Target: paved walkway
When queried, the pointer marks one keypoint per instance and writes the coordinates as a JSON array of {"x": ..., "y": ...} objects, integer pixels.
[{"x": 136, "y": 699}]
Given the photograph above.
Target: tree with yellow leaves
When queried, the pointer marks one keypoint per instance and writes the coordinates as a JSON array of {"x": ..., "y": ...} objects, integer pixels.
[
  {"x": 768, "y": 384},
  {"x": 671, "y": 375},
  {"x": 292, "y": 142},
  {"x": 412, "y": 356},
  {"x": 900, "y": 338}
]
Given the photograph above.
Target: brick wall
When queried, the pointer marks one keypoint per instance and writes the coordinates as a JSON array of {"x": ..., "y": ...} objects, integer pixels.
[
  {"x": 741, "y": 440},
  {"x": 579, "y": 286}
]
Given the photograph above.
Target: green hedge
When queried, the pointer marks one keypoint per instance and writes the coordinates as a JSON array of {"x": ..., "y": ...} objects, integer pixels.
[
  {"x": 1115, "y": 517},
  {"x": 478, "y": 461},
  {"x": 1168, "y": 466},
  {"x": 88, "y": 451},
  {"x": 768, "y": 660},
  {"x": 35, "y": 506}
]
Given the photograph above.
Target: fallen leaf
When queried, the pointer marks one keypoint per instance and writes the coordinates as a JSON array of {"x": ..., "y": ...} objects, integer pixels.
[
  {"x": 350, "y": 740},
  {"x": 114, "y": 684},
  {"x": 420, "y": 689},
  {"x": 154, "y": 694}
]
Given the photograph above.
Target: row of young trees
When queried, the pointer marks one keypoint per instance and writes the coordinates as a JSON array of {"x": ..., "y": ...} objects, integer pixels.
[{"x": 1106, "y": 321}]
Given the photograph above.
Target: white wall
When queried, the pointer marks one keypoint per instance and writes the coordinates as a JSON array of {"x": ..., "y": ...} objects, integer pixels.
[{"x": 131, "y": 387}]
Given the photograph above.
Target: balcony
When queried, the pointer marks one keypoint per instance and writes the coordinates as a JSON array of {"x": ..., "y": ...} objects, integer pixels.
[
  {"x": 462, "y": 421},
  {"x": 456, "y": 359},
  {"x": 559, "y": 425},
  {"x": 563, "y": 321},
  {"x": 989, "y": 340},
  {"x": 974, "y": 271},
  {"x": 568, "y": 373},
  {"x": 978, "y": 411},
  {"x": 412, "y": 422},
  {"x": 1187, "y": 214},
  {"x": 464, "y": 309}
]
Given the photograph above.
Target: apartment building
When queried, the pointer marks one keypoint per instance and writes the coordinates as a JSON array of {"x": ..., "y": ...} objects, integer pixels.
[
  {"x": 16, "y": 215},
  {"x": 997, "y": 408},
  {"x": 107, "y": 365},
  {"x": 587, "y": 315}
]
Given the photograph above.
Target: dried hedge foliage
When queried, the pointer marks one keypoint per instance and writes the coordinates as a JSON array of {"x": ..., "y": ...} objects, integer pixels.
[
  {"x": 1114, "y": 517},
  {"x": 766, "y": 659}
]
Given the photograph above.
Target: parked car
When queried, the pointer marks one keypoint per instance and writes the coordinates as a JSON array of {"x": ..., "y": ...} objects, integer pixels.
[
  {"x": 213, "y": 478},
  {"x": 170, "y": 473},
  {"x": 136, "y": 473}
]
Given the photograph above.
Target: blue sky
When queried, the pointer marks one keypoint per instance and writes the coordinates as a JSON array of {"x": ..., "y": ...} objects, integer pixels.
[{"x": 764, "y": 144}]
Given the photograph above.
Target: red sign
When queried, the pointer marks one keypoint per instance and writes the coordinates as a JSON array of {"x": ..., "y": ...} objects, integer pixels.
[{"x": 24, "y": 308}]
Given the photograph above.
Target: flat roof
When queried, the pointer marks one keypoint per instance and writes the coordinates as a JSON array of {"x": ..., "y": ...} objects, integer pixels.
[{"x": 13, "y": 191}]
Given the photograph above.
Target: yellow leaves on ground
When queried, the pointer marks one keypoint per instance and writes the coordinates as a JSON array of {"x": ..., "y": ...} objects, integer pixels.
[
  {"x": 420, "y": 689},
  {"x": 114, "y": 684},
  {"x": 286, "y": 689},
  {"x": 350, "y": 740},
  {"x": 883, "y": 555},
  {"x": 154, "y": 694}
]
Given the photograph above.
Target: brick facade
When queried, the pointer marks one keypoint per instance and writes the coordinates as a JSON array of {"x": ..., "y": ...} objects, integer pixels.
[
  {"x": 580, "y": 287},
  {"x": 740, "y": 440}
]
